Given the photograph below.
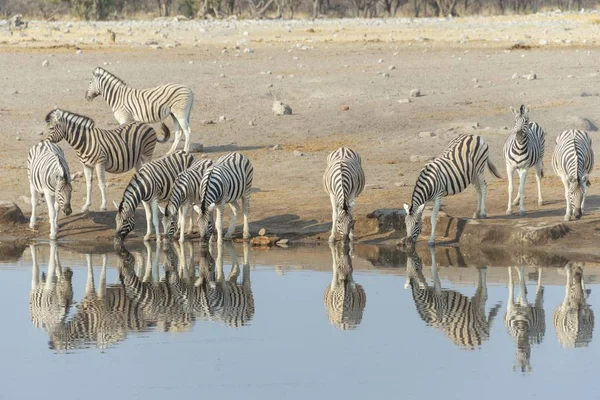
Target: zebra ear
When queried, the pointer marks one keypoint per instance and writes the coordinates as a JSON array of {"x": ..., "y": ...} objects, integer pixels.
[
  {"x": 197, "y": 209},
  {"x": 162, "y": 210},
  {"x": 525, "y": 110},
  {"x": 116, "y": 205},
  {"x": 585, "y": 179},
  {"x": 420, "y": 209},
  {"x": 407, "y": 209},
  {"x": 513, "y": 110},
  {"x": 211, "y": 207}
]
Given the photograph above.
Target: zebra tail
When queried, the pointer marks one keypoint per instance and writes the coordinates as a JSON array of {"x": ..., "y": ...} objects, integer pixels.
[
  {"x": 166, "y": 133},
  {"x": 493, "y": 169}
]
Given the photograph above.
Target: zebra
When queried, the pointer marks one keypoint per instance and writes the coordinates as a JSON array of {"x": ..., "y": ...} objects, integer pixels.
[
  {"x": 225, "y": 182},
  {"x": 344, "y": 299},
  {"x": 152, "y": 184},
  {"x": 463, "y": 320},
  {"x": 48, "y": 173},
  {"x": 145, "y": 105},
  {"x": 114, "y": 151},
  {"x": 524, "y": 149},
  {"x": 185, "y": 192},
  {"x": 574, "y": 318},
  {"x": 460, "y": 164},
  {"x": 573, "y": 161},
  {"x": 344, "y": 180},
  {"x": 526, "y": 323}
]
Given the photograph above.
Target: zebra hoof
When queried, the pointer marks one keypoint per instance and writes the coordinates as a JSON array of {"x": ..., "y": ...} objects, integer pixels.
[
  {"x": 483, "y": 216},
  {"x": 522, "y": 213},
  {"x": 431, "y": 243},
  {"x": 52, "y": 237},
  {"x": 85, "y": 209},
  {"x": 509, "y": 211},
  {"x": 567, "y": 218},
  {"x": 331, "y": 238},
  {"x": 32, "y": 226},
  {"x": 103, "y": 208},
  {"x": 147, "y": 238},
  {"x": 516, "y": 202},
  {"x": 541, "y": 203}
]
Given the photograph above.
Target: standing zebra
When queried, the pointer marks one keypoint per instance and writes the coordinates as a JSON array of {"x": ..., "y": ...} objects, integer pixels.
[
  {"x": 185, "y": 192},
  {"x": 152, "y": 184},
  {"x": 463, "y": 320},
  {"x": 114, "y": 151},
  {"x": 460, "y": 164},
  {"x": 344, "y": 299},
  {"x": 48, "y": 173},
  {"x": 225, "y": 182},
  {"x": 145, "y": 105},
  {"x": 524, "y": 149},
  {"x": 573, "y": 161},
  {"x": 344, "y": 179},
  {"x": 526, "y": 323},
  {"x": 574, "y": 318}
]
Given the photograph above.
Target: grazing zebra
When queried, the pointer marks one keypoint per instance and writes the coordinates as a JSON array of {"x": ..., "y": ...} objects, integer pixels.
[
  {"x": 48, "y": 173},
  {"x": 185, "y": 192},
  {"x": 526, "y": 323},
  {"x": 463, "y": 320},
  {"x": 114, "y": 151},
  {"x": 524, "y": 149},
  {"x": 573, "y": 161},
  {"x": 574, "y": 318},
  {"x": 460, "y": 164},
  {"x": 152, "y": 184},
  {"x": 225, "y": 182},
  {"x": 344, "y": 299},
  {"x": 51, "y": 297},
  {"x": 145, "y": 105},
  {"x": 344, "y": 180}
]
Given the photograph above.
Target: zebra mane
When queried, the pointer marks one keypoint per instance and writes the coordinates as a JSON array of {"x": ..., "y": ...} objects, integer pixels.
[
  {"x": 203, "y": 186},
  {"x": 99, "y": 71},
  {"x": 68, "y": 116}
]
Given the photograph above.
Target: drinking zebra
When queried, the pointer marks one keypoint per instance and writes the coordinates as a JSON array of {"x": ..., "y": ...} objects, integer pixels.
[
  {"x": 114, "y": 151},
  {"x": 463, "y": 320},
  {"x": 460, "y": 164},
  {"x": 344, "y": 299},
  {"x": 152, "y": 184},
  {"x": 145, "y": 105},
  {"x": 524, "y": 149},
  {"x": 48, "y": 173},
  {"x": 344, "y": 179},
  {"x": 574, "y": 318},
  {"x": 573, "y": 161},
  {"x": 526, "y": 323},
  {"x": 225, "y": 182},
  {"x": 186, "y": 192}
]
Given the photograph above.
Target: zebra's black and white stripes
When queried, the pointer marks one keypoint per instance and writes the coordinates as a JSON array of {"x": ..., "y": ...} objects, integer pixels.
[
  {"x": 49, "y": 174},
  {"x": 225, "y": 182},
  {"x": 524, "y": 149},
  {"x": 152, "y": 184},
  {"x": 573, "y": 161},
  {"x": 344, "y": 180},
  {"x": 145, "y": 105},
  {"x": 460, "y": 164},
  {"x": 115, "y": 151}
]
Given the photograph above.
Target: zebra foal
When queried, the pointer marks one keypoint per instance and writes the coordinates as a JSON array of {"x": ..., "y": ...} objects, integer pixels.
[
  {"x": 524, "y": 149},
  {"x": 152, "y": 184},
  {"x": 573, "y": 161},
  {"x": 115, "y": 151},
  {"x": 145, "y": 105},
  {"x": 344, "y": 180},
  {"x": 48, "y": 173},
  {"x": 225, "y": 182},
  {"x": 460, "y": 164}
]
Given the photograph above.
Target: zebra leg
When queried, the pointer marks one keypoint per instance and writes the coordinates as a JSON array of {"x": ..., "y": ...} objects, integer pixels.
[
  {"x": 34, "y": 195},
  {"x": 87, "y": 171},
  {"x": 177, "y": 135},
  {"x": 89, "y": 285},
  {"x": 35, "y": 271},
  {"x": 219, "y": 224},
  {"x": 569, "y": 212},
  {"x": 437, "y": 284},
  {"x": 538, "y": 176},
  {"x": 509, "y": 175},
  {"x": 102, "y": 185},
  {"x": 51, "y": 213},
  {"x": 511, "y": 295},
  {"x": 182, "y": 217},
  {"x": 436, "y": 207},
  {"x": 102, "y": 282},
  {"x": 522, "y": 179},
  {"x": 583, "y": 198},
  {"x": 478, "y": 190},
  {"x": 334, "y": 217},
  {"x": 246, "y": 212},
  {"x": 155, "y": 219},
  {"x": 148, "y": 209},
  {"x": 235, "y": 208}
]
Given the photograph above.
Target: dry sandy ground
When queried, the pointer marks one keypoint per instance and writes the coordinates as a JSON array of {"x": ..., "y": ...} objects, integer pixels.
[{"x": 462, "y": 66}]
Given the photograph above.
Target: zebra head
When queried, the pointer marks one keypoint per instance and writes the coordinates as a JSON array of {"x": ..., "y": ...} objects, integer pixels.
[
  {"x": 521, "y": 121},
  {"x": 125, "y": 221},
  {"x": 577, "y": 192},
  {"x": 170, "y": 221},
  {"x": 205, "y": 221},
  {"x": 344, "y": 222},
  {"x": 413, "y": 224},
  {"x": 63, "y": 194},
  {"x": 94, "y": 89},
  {"x": 56, "y": 126}
]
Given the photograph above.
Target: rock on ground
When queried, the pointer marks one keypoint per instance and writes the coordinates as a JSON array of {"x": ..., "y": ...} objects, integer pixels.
[
  {"x": 279, "y": 108},
  {"x": 10, "y": 213}
]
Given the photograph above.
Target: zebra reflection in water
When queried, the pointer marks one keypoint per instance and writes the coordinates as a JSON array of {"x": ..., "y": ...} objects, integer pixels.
[
  {"x": 462, "y": 319},
  {"x": 574, "y": 318},
  {"x": 344, "y": 299},
  {"x": 526, "y": 323}
]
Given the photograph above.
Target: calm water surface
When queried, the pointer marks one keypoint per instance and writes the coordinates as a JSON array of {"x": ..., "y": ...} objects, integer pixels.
[{"x": 292, "y": 324}]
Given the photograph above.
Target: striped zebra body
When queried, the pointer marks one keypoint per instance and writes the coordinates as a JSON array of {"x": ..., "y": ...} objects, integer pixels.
[
  {"x": 573, "y": 161},
  {"x": 145, "y": 105},
  {"x": 48, "y": 173},
  {"x": 115, "y": 151},
  {"x": 344, "y": 299},
  {"x": 186, "y": 192},
  {"x": 460, "y": 164},
  {"x": 462, "y": 319},
  {"x": 524, "y": 149},
  {"x": 344, "y": 180},
  {"x": 526, "y": 323},
  {"x": 225, "y": 182},
  {"x": 152, "y": 184},
  {"x": 574, "y": 318}
]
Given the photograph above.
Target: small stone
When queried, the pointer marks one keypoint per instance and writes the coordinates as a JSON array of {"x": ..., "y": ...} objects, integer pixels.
[
  {"x": 207, "y": 121},
  {"x": 531, "y": 77},
  {"x": 543, "y": 42},
  {"x": 262, "y": 232},
  {"x": 385, "y": 75},
  {"x": 415, "y": 93},
  {"x": 41, "y": 133},
  {"x": 279, "y": 108},
  {"x": 400, "y": 184},
  {"x": 248, "y": 50},
  {"x": 515, "y": 76},
  {"x": 298, "y": 153},
  {"x": 251, "y": 122},
  {"x": 392, "y": 67},
  {"x": 570, "y": 76},
  {"x": 222, "y": 118},
  {"x": 155, "y": 47},
  {"x": 380, "y": 61},
  {"x": 345, "y": 108},
  {"x": 404, "y": 101},
  {"x": 18, "y": 138},
  {"x": 45, "y": 63},
  {"x": 222, "y": 75},
  {"x": 79, "y": 51},
  {"x": 276, "y": 147},
  {"x": 426, "y": 134},
  {"x": 474, "y": 80},
  {"x": 196, "y": 147}
]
